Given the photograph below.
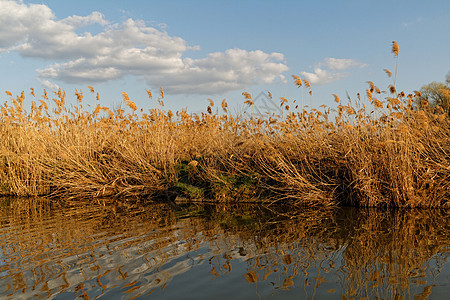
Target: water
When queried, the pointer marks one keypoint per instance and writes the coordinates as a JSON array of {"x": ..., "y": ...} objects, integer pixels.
[{"x": 157, "y": 251}]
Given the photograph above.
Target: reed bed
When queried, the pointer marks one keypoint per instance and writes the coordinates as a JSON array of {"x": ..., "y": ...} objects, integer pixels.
[{"x": 379, "y": 149}]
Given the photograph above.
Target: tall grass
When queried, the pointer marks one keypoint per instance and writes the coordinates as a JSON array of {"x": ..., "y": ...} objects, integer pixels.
[{"x": 375, "y": 150}]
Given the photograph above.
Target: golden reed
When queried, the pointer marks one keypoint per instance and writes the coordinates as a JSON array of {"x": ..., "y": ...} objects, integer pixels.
[{"x": 377, "y": 150}]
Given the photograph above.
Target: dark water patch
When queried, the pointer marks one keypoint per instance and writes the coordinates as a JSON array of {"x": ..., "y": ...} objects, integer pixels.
[{"x": 220, "y": 252}]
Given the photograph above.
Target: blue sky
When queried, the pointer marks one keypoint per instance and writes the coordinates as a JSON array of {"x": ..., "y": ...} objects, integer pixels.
[{"x": 204, "y": 49}]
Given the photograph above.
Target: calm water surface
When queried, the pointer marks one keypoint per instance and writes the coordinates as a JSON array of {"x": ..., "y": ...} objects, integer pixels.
[{"x": 158, "y": 251}]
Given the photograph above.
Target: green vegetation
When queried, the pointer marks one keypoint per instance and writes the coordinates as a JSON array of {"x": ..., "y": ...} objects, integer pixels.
[{"x": 435, "y": 94}]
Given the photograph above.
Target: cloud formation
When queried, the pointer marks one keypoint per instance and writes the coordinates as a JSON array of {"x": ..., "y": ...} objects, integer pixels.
[
  {"x": 341, "y": 63},
  {"x": 129, "y": 48},
  {"x": 322, "y": 76}
]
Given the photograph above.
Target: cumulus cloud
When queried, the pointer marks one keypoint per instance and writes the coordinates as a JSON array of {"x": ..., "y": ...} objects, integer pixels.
[
  {"x": 321, "y": 76},
  {"x": 325, "y": 72},
  {"x": 341, "y": 63},
  {"x": 131, "y": 48},
  {"x": 223, "y": 71},
  {"x": 49, "y": 85},
  {"x": 79, "y": 21}
]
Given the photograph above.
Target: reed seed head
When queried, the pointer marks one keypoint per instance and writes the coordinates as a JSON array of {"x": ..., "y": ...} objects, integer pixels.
[
  {"x": 336, "y": 98},
  {"x": 389, "y": 73},
  {"x": 395, "y": 48},
  {"x": 247, "y": 95}
]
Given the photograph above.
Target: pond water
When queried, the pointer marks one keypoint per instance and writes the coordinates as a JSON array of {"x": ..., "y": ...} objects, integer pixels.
[{"x": 193, "y": 251}]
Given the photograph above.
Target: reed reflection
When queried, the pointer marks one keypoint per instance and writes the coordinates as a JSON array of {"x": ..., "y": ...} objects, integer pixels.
[{"x": 136, "y": 250}]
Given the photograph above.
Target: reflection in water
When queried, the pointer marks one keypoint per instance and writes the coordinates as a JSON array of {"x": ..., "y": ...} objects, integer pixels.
[{"x": 157, "y": 251}]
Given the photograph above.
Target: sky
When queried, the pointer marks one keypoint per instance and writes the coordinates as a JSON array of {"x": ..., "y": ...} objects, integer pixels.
[{"x": 202, "y": 49}]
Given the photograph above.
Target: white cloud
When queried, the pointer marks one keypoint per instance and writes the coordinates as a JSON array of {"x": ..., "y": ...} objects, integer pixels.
[
  {"x": 321, "y": 77},
  {"x": 49, "y": 85},
  {"x": 18, "y": 20},
  {"x": 417, "y": 21},
  {"x": 130, "y": 48},
  {"x": 341, "y": 63},
  {"x": 325, "y": 71},
  {"x": 78, "y": 21},
  {"x": 223, "y": 71}
]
